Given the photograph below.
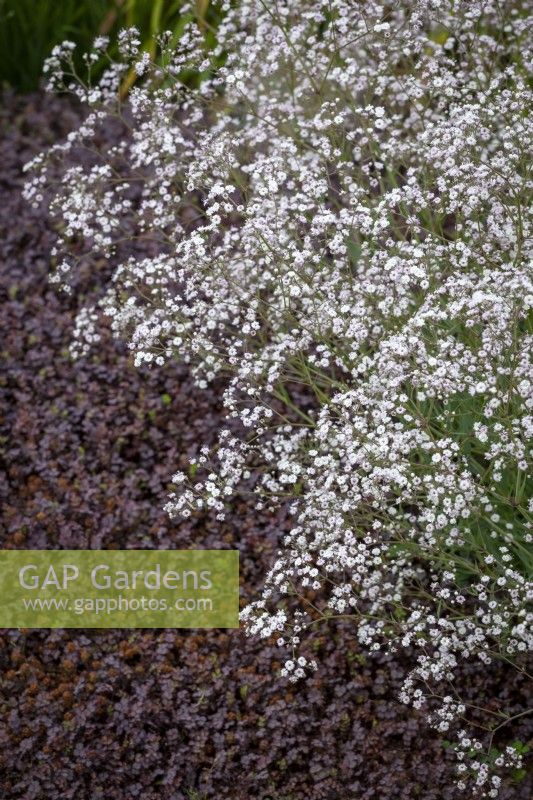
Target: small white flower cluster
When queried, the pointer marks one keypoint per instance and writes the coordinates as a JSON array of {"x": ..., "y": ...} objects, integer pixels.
[
  {"x": 294, "y": 670},
  {"x": 341, "y": 214},
  {"x": 54, "y": 66},
  {"x": 481, "y": 770}
]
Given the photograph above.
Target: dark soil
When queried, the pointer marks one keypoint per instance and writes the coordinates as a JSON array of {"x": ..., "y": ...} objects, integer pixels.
[{"x": 87, "y": 450}]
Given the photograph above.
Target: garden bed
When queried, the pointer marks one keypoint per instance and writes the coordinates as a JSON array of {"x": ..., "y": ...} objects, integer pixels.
[{"x": 87, "y": 451}]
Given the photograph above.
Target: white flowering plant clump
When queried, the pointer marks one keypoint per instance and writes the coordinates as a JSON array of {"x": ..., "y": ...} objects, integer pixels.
[{"x": 339, "y": 206}]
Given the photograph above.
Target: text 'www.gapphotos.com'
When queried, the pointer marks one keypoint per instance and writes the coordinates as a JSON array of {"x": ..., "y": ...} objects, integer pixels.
[{"x": 111, "y": 605}]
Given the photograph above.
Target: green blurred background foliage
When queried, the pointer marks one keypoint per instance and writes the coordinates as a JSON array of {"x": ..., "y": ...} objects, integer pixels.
[{"x": 29, "y": 29}]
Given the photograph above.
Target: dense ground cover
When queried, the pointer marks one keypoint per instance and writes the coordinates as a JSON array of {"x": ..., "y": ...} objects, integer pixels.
[{"x": 86, "y": 452}]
